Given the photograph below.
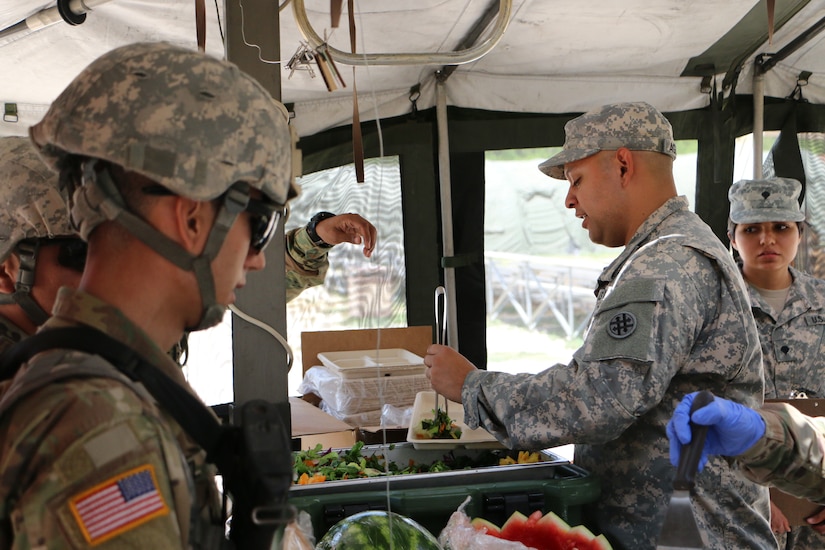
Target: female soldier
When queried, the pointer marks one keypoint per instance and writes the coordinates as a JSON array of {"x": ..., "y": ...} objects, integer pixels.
[{"x": 765, "y": 227}]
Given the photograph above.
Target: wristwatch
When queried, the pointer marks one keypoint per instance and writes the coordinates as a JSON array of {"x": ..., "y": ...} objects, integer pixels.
[{"x": 313, "y": 234}]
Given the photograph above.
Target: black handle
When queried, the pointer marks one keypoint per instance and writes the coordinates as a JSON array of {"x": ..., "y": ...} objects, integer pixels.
[{"x": 692, "y": 452}]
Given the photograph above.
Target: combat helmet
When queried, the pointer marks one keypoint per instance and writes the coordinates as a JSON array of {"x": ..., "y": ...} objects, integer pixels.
[
  {"x": 31, "y": 208},
  {"x": 196, "y": 125}
]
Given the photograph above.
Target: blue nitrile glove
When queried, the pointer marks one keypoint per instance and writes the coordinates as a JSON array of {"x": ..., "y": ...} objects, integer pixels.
[{"x": 732, "y": 428}]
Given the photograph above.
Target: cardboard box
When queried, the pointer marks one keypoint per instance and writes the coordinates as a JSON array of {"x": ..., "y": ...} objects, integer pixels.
[
  {"x": 797, "y": 509},
  {"x": 311, "y": 425}
]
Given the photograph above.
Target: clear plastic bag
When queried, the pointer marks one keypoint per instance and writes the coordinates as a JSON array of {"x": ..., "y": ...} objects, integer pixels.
[
  {"x": 357, "y": 419},
  {"x": 298, "y": 533},
  {"x": 459, "y": 534},
  {"x": 392, "y": 416},
  {"x": 353, "y": 396}
]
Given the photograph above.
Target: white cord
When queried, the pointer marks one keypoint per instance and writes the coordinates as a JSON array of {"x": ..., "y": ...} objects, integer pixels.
[
  {"x": 266, "y": 328},
  {"x": 260, "y": 51}
]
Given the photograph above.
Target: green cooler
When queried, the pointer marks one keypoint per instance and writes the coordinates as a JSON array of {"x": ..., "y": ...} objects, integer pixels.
[{"x": 552, "y": 484}]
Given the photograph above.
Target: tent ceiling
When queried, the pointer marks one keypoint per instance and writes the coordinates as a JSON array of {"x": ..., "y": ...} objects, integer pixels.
[{"x": 555, "y": 57}]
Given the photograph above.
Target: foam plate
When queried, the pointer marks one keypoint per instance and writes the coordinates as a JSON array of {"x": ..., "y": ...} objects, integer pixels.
[{"x": 470, "y": 439}]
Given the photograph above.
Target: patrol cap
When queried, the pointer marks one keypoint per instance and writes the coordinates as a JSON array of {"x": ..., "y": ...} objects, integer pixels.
[
  {"x": 192, "y": 123},
  {"x": 30, "y": 204},
  {"x": 637, "y": 126},
  {"x": 770, "y": 200}
]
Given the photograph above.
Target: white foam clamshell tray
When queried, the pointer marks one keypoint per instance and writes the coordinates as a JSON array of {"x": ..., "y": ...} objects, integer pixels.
[{"x": 373, "y": 363}]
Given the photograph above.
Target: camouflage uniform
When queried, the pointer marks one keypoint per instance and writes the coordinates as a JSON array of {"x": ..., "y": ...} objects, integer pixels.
[
  {"x": 793, "y": 342},
  {"x": 306, "y": 264},
  {"x": 791, "y": 454},
  {"x": 793, "y": 347},
  {"x": 90, "y": 431}
]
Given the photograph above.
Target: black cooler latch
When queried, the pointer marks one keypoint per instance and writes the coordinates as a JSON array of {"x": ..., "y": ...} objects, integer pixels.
[
  {"x": 335, "y": 513},
  {"x": 497, "y": 507}
]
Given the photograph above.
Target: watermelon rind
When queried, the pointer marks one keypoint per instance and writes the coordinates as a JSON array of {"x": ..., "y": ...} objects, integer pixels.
[
  {"x": 601, "y": 543},
  {"x": 583, "y": 531},
  {"x": 380, "y": 530},
  {"x": 486, "y": 527}
]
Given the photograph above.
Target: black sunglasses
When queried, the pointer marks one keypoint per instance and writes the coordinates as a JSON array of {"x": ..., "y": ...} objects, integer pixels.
[{"x": 263, "y": 221}]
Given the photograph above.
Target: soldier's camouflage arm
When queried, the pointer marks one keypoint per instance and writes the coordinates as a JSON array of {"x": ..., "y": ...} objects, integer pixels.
[
  {"x": 306, "y": 264},
  {"x": 791, "y": 454}
]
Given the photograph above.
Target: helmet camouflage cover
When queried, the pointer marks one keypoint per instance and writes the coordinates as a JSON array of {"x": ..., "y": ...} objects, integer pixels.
[
  {"x": 30, "y": 204},
  {"x": 188, "y": 121}
]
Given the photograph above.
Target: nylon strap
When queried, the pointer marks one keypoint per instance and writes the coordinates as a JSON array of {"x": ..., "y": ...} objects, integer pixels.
[
  {"x": 192, "y": 415},
  {"x": 200, "y": 24},
  {"x": 461, "y": 260},
  {"x": 335, "y": 12},
  {"x": 27, "y": 250},
  {"x": 357, "y": 141}
]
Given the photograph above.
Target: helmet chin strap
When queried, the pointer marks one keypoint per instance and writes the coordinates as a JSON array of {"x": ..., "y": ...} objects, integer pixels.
[
  {"x": 27, "y": 252},
  {"x": 100, "y": 194}
]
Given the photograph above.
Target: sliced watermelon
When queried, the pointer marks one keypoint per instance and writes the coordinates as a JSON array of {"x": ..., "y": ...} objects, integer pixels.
[
  {"x": 487, "y": 527},
  {"x": 378, "y": 529},
  {"x": 548, "y": 532},
  {"x": 540, "y": 532}
]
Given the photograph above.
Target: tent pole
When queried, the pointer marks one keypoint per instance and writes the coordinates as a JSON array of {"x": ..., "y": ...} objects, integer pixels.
[
  {"x": 758, "y": 119},
  {"x": 446, "y": 210}
]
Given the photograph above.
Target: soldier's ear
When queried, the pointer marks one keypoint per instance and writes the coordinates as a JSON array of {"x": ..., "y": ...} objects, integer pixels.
[
  {"x": 8, "y": 274},
  {"x": 194, "y": 222},
  {"x": 625, "y": 161},
  {"x": 732, "y": 240}
]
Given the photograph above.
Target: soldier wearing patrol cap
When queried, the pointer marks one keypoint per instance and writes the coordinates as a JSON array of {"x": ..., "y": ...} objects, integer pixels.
[
  {"x": 672, "y": 316},
  {"x": 765, "y": 227},
  {"x": 39, "y": 250},
  {"x": 179, "y": 167}
]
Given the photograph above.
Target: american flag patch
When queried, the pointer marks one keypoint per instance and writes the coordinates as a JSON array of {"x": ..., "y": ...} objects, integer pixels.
[{"x": 118, "y": 504}]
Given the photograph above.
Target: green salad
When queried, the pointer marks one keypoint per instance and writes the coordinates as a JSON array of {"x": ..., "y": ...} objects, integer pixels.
[{"x": 440, "y": 426}]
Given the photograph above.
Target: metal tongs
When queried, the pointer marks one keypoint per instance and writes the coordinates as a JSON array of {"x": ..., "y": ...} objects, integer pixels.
[{"x": 440, "y": 336}]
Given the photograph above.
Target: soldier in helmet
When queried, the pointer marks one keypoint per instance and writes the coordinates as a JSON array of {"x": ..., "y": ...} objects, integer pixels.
[
  {"x": 39, "y": 251},
  {"x": 179, "y": 168}
]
